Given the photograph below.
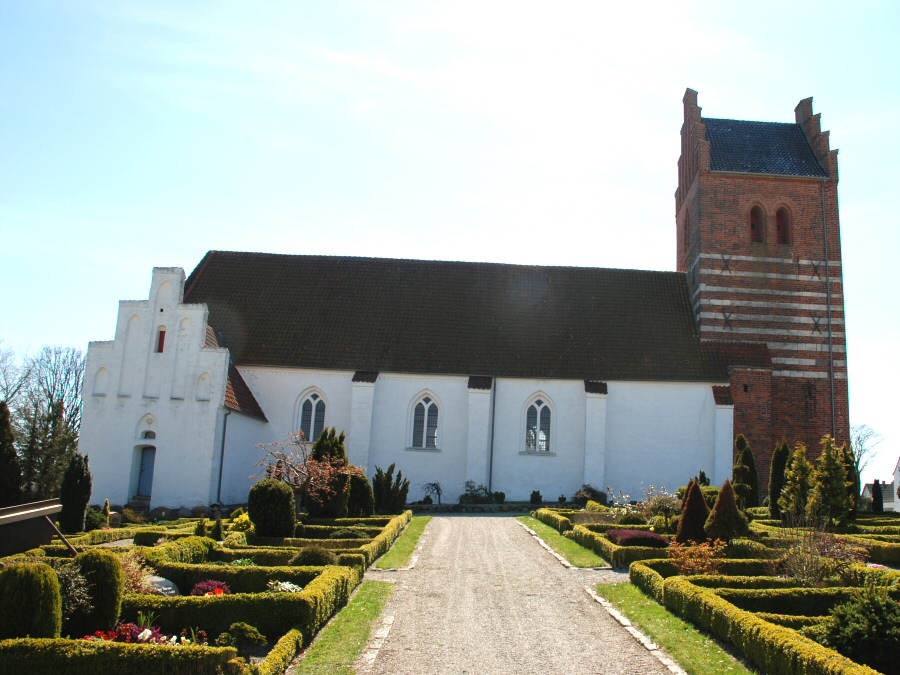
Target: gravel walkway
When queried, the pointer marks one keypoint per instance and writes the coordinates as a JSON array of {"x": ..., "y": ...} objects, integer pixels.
[{"x": 485, "y": 598}]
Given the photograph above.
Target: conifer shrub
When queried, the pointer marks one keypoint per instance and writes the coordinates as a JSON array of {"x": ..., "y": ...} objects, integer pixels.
[
  {"x": 726, "y": 521},
  {"x": 10, "y": 472},
  {"x": 237, "y": 513},
  {"x": 243, "y": 636},
  {"x": 75, "y": 493},
  {"x": 94, "y": 519},
  {"x": 797, "y": 483},
  {"x": 106, "y": 584},
  {"x": 776, "y": 477},
  {"x": 390, "y": 492},
  {"x": 314, "y": 556},
  {"x": 745, "y": 479},
  {"x": 848, "y": 459},
  {"x": 693, "y": 516},
  {"x": 588, "y": 492},
  {"x": 877, "y": 498},
  {"x": 200, "y": 528},
  {"x": 536, "y": 497},
  {"x": 637, "y": 538},
  {"x": 272, "y": 509},
  {"x": 105, "y": 511},
  {"x": 828, "y": 497},
  {"x": 30, "y": 601},
  {"x": 218, "y": 531},
  {"x": 361, "y": 502}
]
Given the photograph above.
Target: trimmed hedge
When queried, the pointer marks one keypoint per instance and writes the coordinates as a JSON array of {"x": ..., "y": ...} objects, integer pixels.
[
  {"x": 87, "y": 657},
  {"x": 602, "y": 528},
  {"x": 649, "y": 575},
  {"x": 383, "y": 542},
  {"x": 239, "y": 579},
  {"x": 774, "y": 649},
  {"x": 30, "y": 601},
  {"x": 293, "y": 542},
  {"x": 629, "y": 537},
  {"x": 617, "y": 556},
  {"x": 792, "y": 621},
  {"x": 799, "y": 601},
  {"x": 325, "y": 531},
  {"x": 149, "y": 536},
  {"x": 374, "y": 521},
  {"x": 554, "y": 519},
  {"x": 270, "y": 613},
  {"x": 277, "y": 661},
  {"x": 187, "y": 550},
  {"x": 749, "y": 582}
]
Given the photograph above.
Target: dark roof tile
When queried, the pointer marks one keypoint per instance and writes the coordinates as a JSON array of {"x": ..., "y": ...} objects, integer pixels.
[{"x": 761, "y": 147}]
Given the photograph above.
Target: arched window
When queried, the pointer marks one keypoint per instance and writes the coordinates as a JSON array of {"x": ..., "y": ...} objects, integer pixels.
[
  {"x": 756, "y": 224},
  {"x": 425, "y": 423},
  {"x": 537, "y": 427},
  {"x": 312, "y": 417},
  {"x": 783, "y": 226}
]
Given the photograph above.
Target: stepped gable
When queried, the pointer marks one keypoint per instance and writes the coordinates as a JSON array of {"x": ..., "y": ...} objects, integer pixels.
[
  {"x": 761, "y": 147},
  {"x": 414, "y": 316}
]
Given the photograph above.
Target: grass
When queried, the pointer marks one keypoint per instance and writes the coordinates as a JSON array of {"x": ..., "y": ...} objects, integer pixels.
[
  {"x": 340, "y": 643},
  {"x": 695, "y": 651},
  {"x": 575, "y": 553},
  {"x": 402, "y": 550}
]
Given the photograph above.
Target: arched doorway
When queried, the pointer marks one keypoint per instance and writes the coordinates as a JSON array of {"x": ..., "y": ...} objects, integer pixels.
[{"x": 147, "y": 458}]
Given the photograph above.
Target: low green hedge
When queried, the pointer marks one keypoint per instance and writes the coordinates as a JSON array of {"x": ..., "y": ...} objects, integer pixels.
[
  {"x": 325, "y": 531},
  {"x": 383, "y": 542},
  {"x": 617, "y": 556},
  {"x": 28, "y": 656},
  {"x": 271, "y": 613},
  {"x": 649, "y": 575},
  {"x": 774, "y": 649},
  {"x": 149, "y": 537},
  {"x": 277, "y": 660},
  {"x": 799, "y": 601},
  {"x": 554, "y": 519},
  {"x": 601, "y": 528},
  {"x": 751, "y": 582},
  {"x": 295, "y": 542},
  {"x": 239, "y": 579},
  {"x": 791, "y": 620},
  {"x": 374, "y": 521},
  {"x": 186, "y": 550}
]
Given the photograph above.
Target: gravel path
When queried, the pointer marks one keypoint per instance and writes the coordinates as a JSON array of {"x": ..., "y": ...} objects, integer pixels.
[{"x": 485, "y": 598}]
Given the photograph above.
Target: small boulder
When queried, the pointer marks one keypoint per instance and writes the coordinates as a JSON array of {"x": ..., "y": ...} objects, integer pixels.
[{"x": 163, "y": 585}]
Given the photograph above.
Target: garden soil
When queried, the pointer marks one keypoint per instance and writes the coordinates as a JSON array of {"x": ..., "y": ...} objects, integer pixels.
[{"x": 485, "y": 598}]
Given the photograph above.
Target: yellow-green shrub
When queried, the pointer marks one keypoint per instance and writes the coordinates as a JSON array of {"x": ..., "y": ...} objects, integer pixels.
[{"x": 30, "y": 601}]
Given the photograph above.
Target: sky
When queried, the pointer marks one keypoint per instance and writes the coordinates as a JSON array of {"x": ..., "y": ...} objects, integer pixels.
[{"x": 135, "y": 135}]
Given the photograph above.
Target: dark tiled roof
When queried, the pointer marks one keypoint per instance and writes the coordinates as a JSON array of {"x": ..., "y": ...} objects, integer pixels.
[
  {"x": 761, "y": 147},
  {"x": 365, "y": 376},
  {"x": 722, "y": 395},
  {"x": 413, "y": 316}
]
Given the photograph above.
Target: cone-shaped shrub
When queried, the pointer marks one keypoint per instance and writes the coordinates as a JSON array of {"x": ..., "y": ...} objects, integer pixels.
[
  {"x": 828, "y": 497},
  {"x": 776, "y": 477},
  {"x": 200, "y": 529},
  {"x": 848, "y": 459},
  {"x": 877, "y": 498},
  {"x": 106, "y": 584},
  {"x": 726, "y": 521},
  {"x": 390, "y": 492},
  {"x": 75, "y": 493},
  {"x": 693, "y": 516},
  {"x": 272, "y": 509},
  {"x": 797, "y": 483},
  {"x": 329, "y": 447},
  {"x": 30, "y": 601},
  {"x": 218, "y": 532},
  {"x": 361, "y": 503},
  {"x": 744, "y": 478}
]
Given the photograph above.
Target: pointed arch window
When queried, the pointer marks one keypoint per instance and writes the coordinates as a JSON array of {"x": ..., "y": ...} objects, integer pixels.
[
  {"x": 312, "y": 417},
  {"x": 537, "y": 427},
  {"x": 783, "y": 226},
  {"x": 756, "y": 224},
  {"x": 425, "y": 423}
]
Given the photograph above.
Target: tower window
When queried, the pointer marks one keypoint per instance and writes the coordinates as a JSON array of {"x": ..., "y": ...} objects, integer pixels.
[
  {"x": 783, "y": 226},
  {"x": 756, "y": 224},
  {"x": 686, "y": 229},
  {"x": 161, "y": 340}
]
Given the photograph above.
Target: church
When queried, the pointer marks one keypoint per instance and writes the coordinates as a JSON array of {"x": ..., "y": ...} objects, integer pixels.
[{"x": 516, "y": 377}]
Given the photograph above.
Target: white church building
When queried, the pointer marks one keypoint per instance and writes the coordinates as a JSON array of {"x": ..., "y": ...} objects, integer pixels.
[{"x": 516, "y": 377}]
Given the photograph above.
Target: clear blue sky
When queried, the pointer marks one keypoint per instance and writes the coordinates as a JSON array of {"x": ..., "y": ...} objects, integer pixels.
[{"x": 142, "y": 134}]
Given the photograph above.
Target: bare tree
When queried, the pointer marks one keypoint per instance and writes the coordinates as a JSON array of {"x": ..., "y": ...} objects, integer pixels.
[
  {"x": 56, "y": 375},
  {"x": 864, "y": 440},
  {"x": 13, "y": 376}
]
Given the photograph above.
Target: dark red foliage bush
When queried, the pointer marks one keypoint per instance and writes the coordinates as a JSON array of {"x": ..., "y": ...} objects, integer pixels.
[
  {"x": 637, "y": 538},
  {"x": 211, "y": 586}
]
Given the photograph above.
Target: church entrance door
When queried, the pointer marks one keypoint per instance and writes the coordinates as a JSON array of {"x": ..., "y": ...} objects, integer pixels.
[{"x": 145, "y": 481}]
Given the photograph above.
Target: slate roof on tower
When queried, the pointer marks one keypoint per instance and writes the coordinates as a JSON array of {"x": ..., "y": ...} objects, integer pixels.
[
  {"x": 462, "y": 318},
  {"x": 761, "y": 147}
]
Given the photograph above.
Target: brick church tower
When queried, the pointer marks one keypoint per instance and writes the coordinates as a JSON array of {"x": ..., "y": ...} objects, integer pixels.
[{"x": 759, "y": 240}]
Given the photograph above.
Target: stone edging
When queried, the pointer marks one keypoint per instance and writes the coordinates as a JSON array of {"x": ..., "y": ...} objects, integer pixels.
[{"x": 648, "y": 644}]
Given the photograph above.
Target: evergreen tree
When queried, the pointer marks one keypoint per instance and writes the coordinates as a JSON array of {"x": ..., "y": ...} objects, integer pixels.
[
  {"x": 48, "y": 444},
  {"x": 10, "y": 473},
  {"x": 752, "y": 476},
  {"x": 75, "y": 493},
  {"x": 828, "y": 498},
  {"x": 726, "y": 521},
  {"x": 741, "y": 473},
  {"x": 329, "y": 447},
  {"x": 776, "y": 477},
  {"x": 693, "y": 516},
  {"x": 848, "y": 459},
  {"x": 797, "y": 480},
  {"x": 877, "y": 498}
]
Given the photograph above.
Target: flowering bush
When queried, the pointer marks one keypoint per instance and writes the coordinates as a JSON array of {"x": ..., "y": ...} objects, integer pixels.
[
  {"x": 133, "y": 633},
  {"x": 211, "y": 587},
  {"x": 706, "y": 558}
]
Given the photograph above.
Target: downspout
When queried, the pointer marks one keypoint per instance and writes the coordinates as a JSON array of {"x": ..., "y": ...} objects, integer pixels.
[
  {"x": 491, "y": 444},
  {"x": 222, "y": 455},
  {"x": 828, "y": 300}
]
